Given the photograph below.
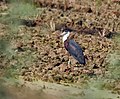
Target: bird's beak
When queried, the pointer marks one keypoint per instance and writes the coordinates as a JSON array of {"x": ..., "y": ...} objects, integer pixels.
[{"x": 62, "y": 34}]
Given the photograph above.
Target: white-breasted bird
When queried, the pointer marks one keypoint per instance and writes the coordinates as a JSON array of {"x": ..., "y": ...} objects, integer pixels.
[{"x": 72, "y": 47}]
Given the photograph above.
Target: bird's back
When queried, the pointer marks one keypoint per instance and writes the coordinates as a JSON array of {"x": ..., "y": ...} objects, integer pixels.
[{"x": 75, "y": 50}]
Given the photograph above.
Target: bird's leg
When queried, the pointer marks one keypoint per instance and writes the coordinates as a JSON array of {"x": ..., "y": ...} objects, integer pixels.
[{"x": 69, "y": 61}]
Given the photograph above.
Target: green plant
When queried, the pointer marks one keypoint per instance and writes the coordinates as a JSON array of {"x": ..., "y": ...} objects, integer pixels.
[
  {"x": 98, "y": 3},
  {"x": 113, "y": 60},
  {"x": 16, "y": 12},
  {"x": 114, "y": 65},
  {"x": 3, "y": 93},
  {"x": 22, "y": 9},
  {"x": 5, "y": 48},
  {"x": 18, "y": 9}
]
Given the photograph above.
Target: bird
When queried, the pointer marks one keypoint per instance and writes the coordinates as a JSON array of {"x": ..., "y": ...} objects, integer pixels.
[{"x": 71, "y": 46}]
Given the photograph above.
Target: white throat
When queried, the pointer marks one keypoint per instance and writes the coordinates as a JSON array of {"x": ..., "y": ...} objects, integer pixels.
[{"x": 66, "y": 36}]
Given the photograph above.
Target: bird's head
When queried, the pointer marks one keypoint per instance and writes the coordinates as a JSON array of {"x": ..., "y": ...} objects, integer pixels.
[{"x": 66, "y": 34}]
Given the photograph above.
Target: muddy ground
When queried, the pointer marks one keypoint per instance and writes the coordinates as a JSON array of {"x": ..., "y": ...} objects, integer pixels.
[{"x": 30, "y": 48}]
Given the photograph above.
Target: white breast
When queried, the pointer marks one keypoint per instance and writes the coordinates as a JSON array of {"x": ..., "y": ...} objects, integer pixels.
[{"x": 66, "y": 36}]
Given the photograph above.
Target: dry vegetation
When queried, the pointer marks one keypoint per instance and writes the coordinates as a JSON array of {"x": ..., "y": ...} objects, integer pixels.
[{"x": 30, "y": 50}]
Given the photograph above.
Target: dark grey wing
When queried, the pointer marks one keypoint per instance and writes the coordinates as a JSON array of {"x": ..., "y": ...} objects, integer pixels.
[{"x": 76, "y": 51}]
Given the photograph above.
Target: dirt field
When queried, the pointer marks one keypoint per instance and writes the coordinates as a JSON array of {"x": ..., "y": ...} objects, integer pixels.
[{"x": 30, "y": 49}]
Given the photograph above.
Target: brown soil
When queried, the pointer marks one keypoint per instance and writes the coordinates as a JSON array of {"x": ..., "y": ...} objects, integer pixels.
[{"x": 42, "y": 55}]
